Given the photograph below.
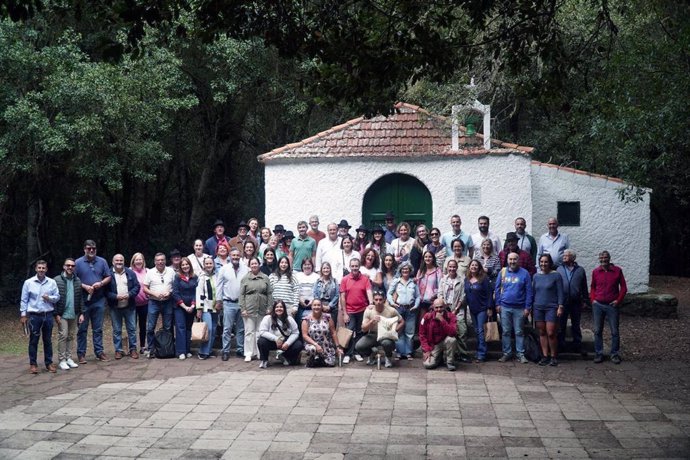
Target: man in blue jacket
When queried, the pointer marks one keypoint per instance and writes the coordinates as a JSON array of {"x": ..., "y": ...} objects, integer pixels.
[
  {"x": 124, "y": 287},
  {"x": 514, "y": 296}
]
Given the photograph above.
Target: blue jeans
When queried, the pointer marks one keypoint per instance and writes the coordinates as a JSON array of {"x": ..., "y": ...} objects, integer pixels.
[
  {"x": 156, "y": 308},
  {"x": 94, "y": 314},
  {"x": 211, "y": 319},
  {"x": 404, "y": 343},
  {"x": 130, "y": 317},
  {"x": 41, "y": 326},
  {"x": 512, "y": 320},
  {"x": 183, "y": 330},
  {"x": 232, "y": 315},
  {"x": 478, "y": 320},
  {"x": 611, "y": 313}
]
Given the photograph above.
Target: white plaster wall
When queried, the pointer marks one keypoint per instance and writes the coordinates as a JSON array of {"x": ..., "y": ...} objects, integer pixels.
[
  {"x": 606, "y": 222},
  {"x": 334, "y": 189}
]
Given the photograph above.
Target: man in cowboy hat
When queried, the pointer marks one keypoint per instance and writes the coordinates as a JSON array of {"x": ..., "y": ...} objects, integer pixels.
[
  {"x": 344, "y": 228},
  {"x": 242, "y": 237},
  {"x": 217, "y": 237}
]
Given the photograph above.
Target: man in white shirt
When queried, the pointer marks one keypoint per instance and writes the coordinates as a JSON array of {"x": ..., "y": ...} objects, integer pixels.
[
  {"x": 228, "y": 295},
  {"x": 158, "y": 288},
  {"x": 483, "y": 224},
  {"x": 328, "y": 248}
]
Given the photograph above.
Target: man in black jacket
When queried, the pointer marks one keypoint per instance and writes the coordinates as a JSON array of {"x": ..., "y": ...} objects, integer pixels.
[
  {"x": 576, "y": 297},
  {"x": 68, "y": 313},
  {"x": 123, "y": 290}
]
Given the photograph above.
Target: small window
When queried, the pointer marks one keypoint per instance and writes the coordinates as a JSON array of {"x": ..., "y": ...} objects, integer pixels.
[{"x": 569, "y": 213}]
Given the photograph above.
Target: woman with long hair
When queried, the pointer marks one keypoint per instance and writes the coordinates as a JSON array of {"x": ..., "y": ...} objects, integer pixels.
[
  {"x": 458, "y": 247},
  {"x": 197, "y": 257},
  {"x": 263, "y": 241},
  {"x": 255, "y": 302},
  {"x": 342, "y": 261},
  {"x": 436, "y": 247},
  {"x": 403, "y": 294},
  {"x": 489, "y": 260},
  {"x": 478, "y": 295},
  {"x": 253, "y": 224},
  {"x": 548, "y": 307},
  {"x": 284, "y": 285},
  {"x": 270, "y": 262},
  {"x": 141, "y": 301},
  {"x": 320, "y": 338},
  {"x": 327, "y": 290},
  {"x": 378, "y": 240},
  {"x": 402, "y": 246},
  {"x": 389, "y": 270},
  {"x": 370, "y": 268},
  {"x": 452, "y": 292},
  {"x": 184, "y": 296},
  {"x": 249, "y": 252},
  {"x": 361, "y": 239},
  {"x": 279, "y": 331},
  {"x": 428, "y": 279},
  {"x": 306, "y": 279},
  {"x": 420, "y": 241},
  {"x": 206, "y": 306}
]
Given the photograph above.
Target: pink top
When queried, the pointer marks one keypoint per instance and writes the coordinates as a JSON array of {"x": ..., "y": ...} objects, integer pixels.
[{"x": 141, "y": 299}]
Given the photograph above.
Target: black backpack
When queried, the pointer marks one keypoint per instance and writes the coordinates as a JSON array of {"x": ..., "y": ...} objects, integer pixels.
[
  {"x": 531, "y": 342},
  {"x": 165, "y": 344}
]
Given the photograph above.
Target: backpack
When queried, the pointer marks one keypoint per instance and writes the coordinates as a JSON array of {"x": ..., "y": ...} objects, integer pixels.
[
  {"x": 164, "y": 344},
  {"x": 531, "y": 343}
]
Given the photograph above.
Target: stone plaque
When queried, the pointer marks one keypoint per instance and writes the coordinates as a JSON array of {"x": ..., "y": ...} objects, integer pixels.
[{"x": 468, "y": 194}]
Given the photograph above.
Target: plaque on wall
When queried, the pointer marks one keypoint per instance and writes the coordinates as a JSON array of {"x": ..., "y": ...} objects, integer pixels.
[{"x": 468, "y": 194}]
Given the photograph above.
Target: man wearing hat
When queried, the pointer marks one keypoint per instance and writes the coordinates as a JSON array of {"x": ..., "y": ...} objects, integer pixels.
[
  {"x": 302, "y": 247},
  {"x": 390, "y": 227},
  {"x": 284, "y": 245},
  {"x": 175, "y": 260},
  {"x": 279, "y": 232},
  {"x": 242, "y": 237},
  {"x": 524, "y": 259},
  {"x": 217, "y": 237},
  {"x": 344, "y": 228}
]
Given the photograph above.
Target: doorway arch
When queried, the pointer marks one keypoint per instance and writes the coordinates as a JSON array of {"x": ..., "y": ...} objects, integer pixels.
[{"x": 405, "y": 195}]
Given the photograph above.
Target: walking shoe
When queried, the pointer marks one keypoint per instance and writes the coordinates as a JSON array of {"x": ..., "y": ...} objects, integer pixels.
[
  {"x": 142, "y": 351},
  {"x": 396, "y": 356},
  {"x": 505, "y": 358},
  {"x": 189, "y": 355},
  {"x": 544, "y": 361},
  {"x": 346, "y": 360},
  {"x": 388, "y": 363},
  {"x": 371, "y": 361},
  {"x": 554, "y": 362},
  {"x": 358, "y": 357},
  {"x": 285, "y": 360},
  {"x": 33, "y": 369},
  {"x": 247, "y": 359},
  {"x": 71, "y": 363},
  {"x": 133, "y": 354},
  {"x": 118, "y": 355},
  {"x": 225, "y": 356},
  {"x": 81, "y": 359},
  {"x": 598, "y": 359},
  {"x": 240, "y": 353},
  {"x": 279, "y": 355},
  {"x": 410, "y": 357},
  {"x": 480, "y": 359},
  {"x": 51, "y": 368},
  {"x": 464, "y": 359},
  {"x": 523, "y": 359},
  {"x": 150, "y": 354},
  {"x": 102, "y": 357},
  {"x": 202, "y": 357},
  {"x": 182, "y": 357},
  {"x": 615, "y": 359},
  {"x": 64, "y": 366},
  {"x": 263, "y": 364},
  {"x": 451, "y": 367}
]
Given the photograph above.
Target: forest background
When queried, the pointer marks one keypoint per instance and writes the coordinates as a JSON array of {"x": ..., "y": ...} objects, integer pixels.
[{"x": 137, "y": 123}]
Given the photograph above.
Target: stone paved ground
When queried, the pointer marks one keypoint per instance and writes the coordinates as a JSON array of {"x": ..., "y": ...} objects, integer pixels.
[{"x": 211, "y": 409}]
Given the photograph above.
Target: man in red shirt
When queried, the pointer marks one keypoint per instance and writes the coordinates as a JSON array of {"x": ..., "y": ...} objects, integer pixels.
[
  {"x": 437, "y": 333},
  {"x": 355, "y": 296},
  {"x": 607, "y": 293}
]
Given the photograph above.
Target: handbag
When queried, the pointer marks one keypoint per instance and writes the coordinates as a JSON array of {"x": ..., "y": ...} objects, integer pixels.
[
  {"x": 200, "y": 331},
  {"x": 344, "y": 336},
  {"x": 387, "y": 329},
  {"x": 491, "y": 333}
]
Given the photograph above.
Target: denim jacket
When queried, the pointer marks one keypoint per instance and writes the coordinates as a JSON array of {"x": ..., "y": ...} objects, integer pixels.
[{"x": 327, "y": 292}]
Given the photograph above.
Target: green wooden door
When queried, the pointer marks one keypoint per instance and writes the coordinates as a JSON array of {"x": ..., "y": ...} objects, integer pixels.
[{"x": 406, "y": 196}]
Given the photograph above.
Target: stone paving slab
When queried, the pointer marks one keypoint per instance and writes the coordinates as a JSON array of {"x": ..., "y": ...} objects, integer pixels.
[{"x": 343, "y": 413}]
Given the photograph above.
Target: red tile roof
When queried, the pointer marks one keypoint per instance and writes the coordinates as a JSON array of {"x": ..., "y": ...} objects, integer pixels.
[
  {"x": 578, "y": 171},
  {"x": 410, "y": 132}
]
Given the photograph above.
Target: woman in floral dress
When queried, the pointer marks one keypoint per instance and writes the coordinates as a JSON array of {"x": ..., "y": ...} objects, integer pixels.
[{"x": 320, "y": 339}]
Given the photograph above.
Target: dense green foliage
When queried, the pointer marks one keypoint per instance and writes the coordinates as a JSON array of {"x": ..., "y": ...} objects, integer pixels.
[{"x": 138, "y": 123}]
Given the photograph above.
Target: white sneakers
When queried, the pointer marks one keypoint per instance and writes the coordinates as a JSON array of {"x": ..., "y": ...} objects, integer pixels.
[
  {"x": 71, "y": 363},
  {"x": 64, "y": 366},
  {"x": 388, "y": 362},
  {"x": 247, "y": 359},
  {"x": 263, "y": 364},
  {"x": 346, "y": 360},
  {"x": 182, "y": 356},
  {"x": 358, "y": 357}
]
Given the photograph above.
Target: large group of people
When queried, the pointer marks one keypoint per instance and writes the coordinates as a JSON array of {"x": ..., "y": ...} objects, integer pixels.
[{"x": 380, "y": 293}]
